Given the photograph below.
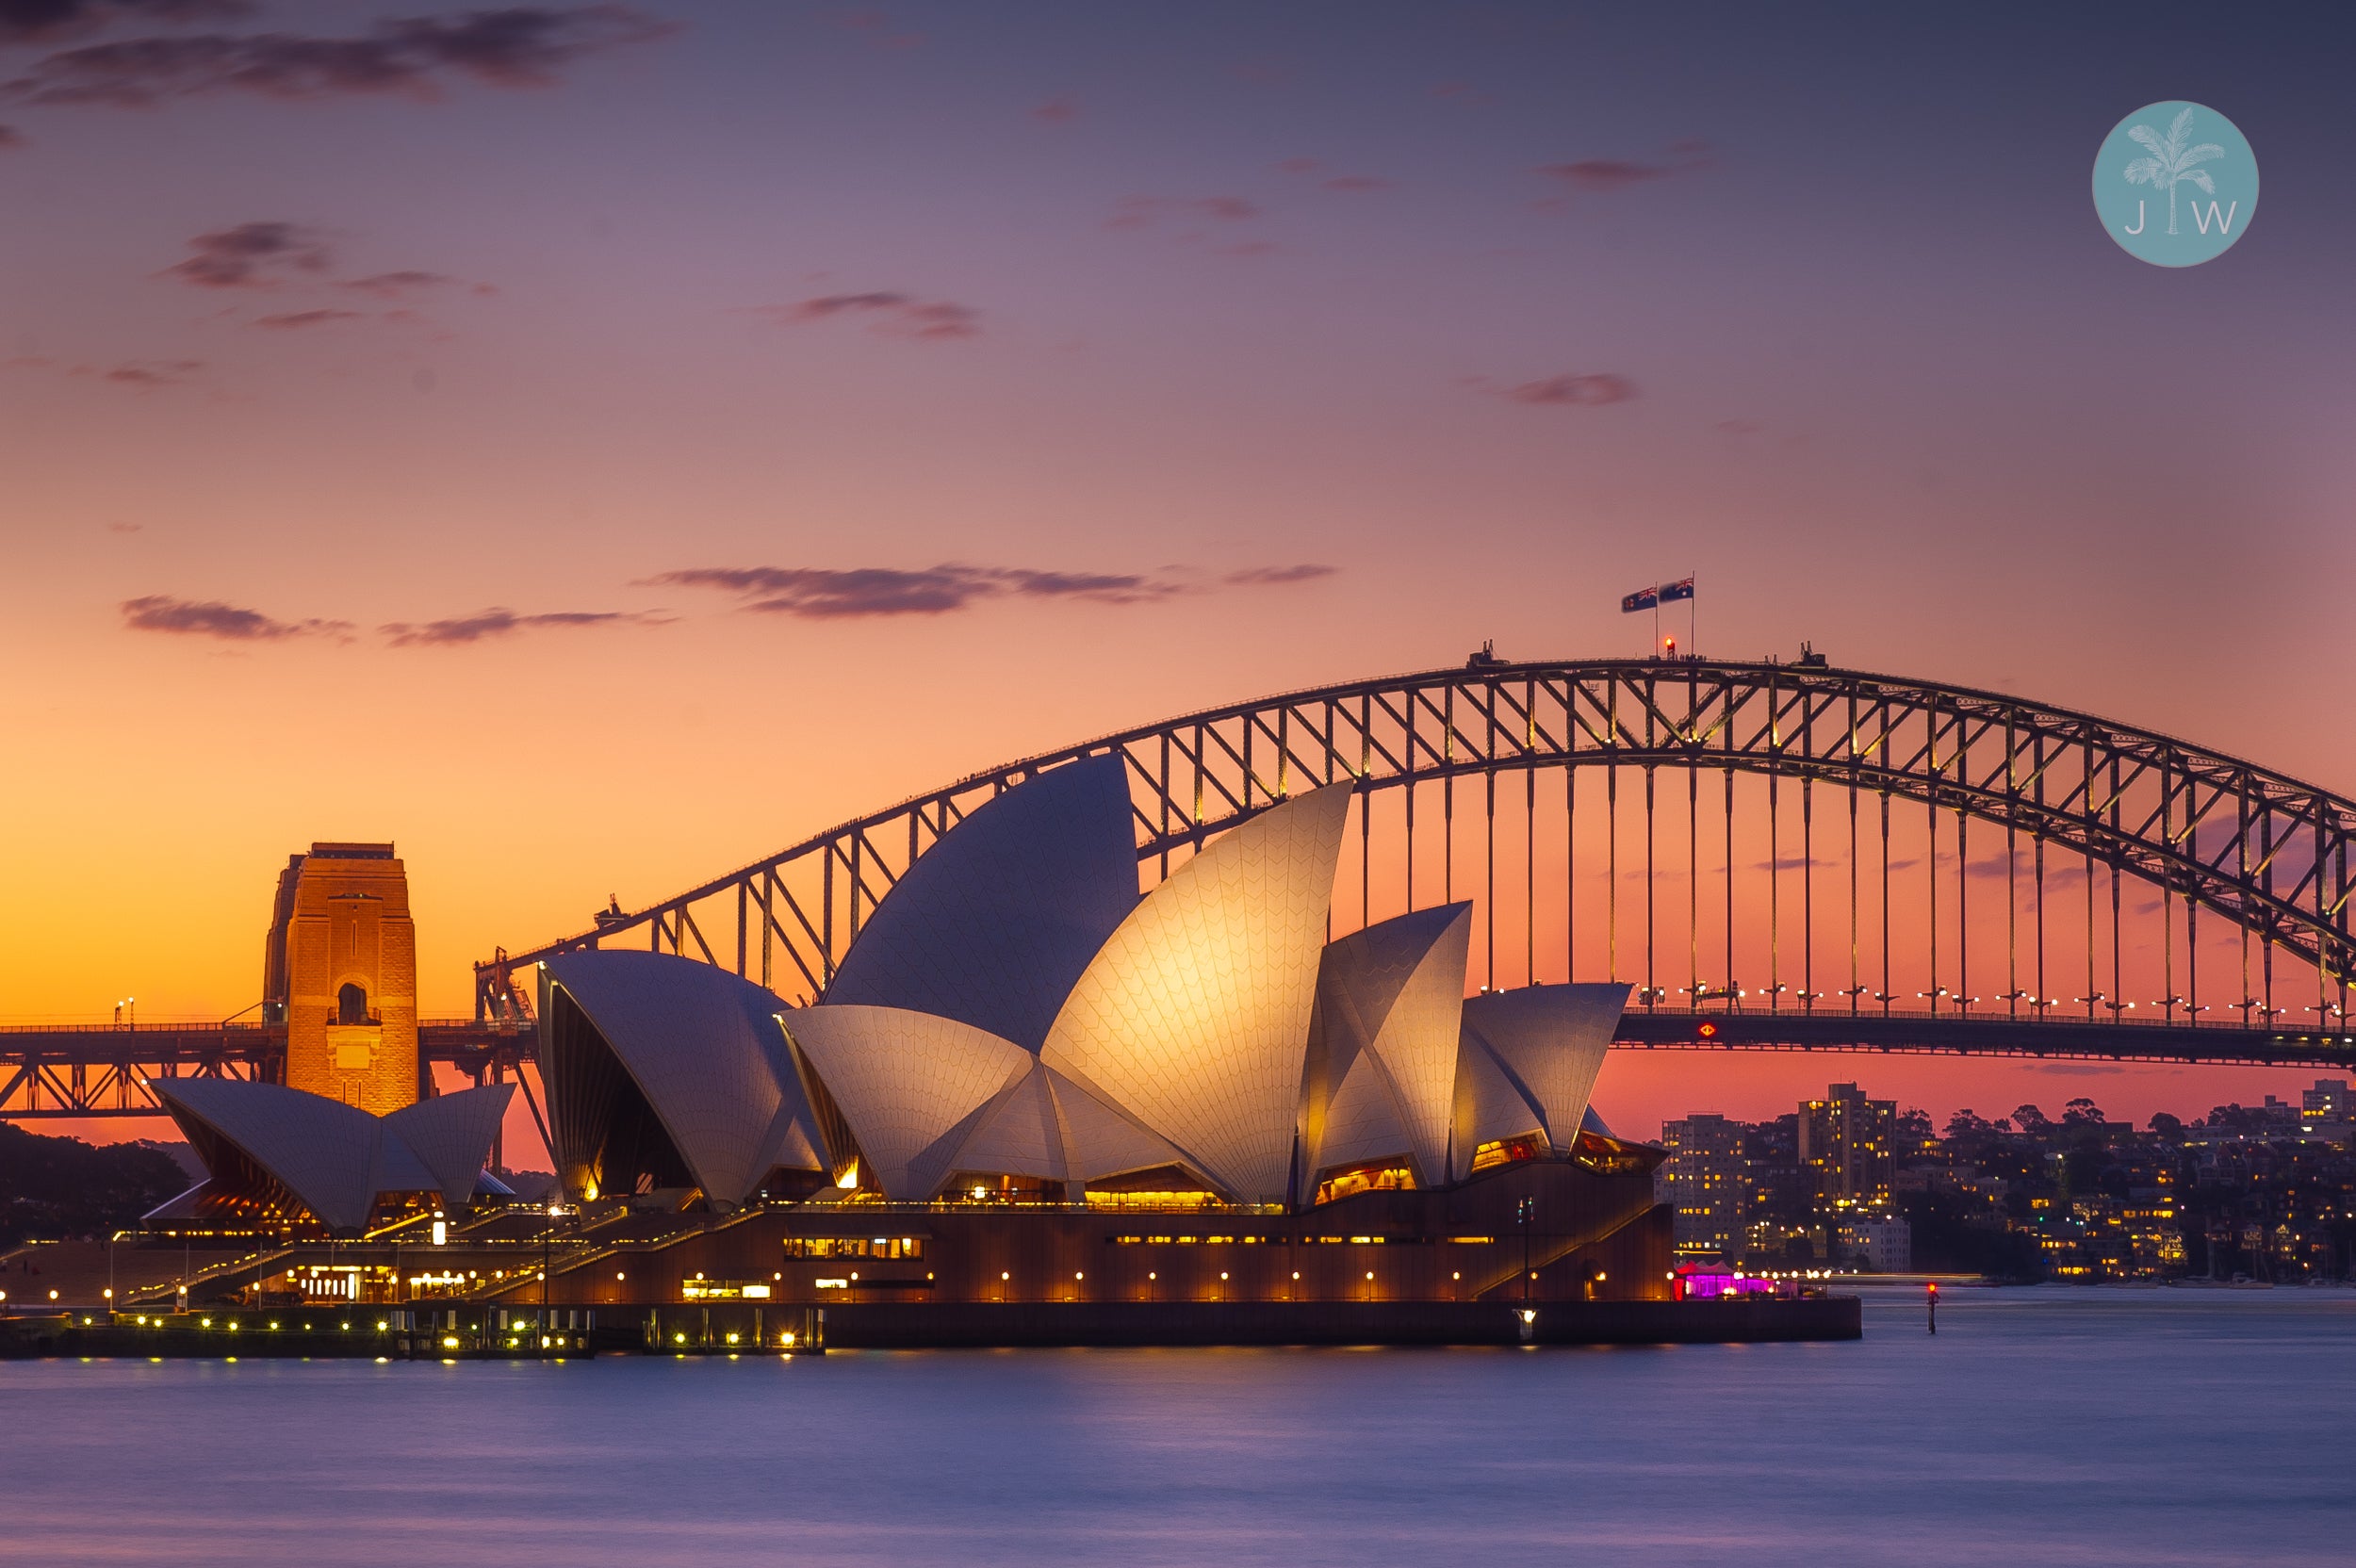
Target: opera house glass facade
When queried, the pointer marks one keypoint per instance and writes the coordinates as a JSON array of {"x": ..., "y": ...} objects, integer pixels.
[{"x": 1028, "y": 1083}]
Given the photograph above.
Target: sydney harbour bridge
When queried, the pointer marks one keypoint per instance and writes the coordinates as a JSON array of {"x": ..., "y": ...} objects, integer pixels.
[{"x": 1775, "y": 855}]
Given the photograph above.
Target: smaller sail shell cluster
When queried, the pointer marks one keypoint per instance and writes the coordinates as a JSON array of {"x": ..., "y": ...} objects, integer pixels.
[
  {"x": 333, "y": 1159},
  {"x": 1014, "y": 1009}
]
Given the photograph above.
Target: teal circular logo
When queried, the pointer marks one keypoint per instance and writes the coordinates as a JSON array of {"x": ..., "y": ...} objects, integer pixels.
[{"x": 2175, "y": 184}]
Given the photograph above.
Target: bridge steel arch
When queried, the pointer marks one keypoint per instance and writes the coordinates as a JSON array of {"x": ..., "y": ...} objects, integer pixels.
[{"x": 2205, "y": 832}]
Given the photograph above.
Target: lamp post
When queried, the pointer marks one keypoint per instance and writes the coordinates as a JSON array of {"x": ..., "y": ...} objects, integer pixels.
[
  {"x": 1521, "y": 1218},
  {"x": 547, "y": 1242}
]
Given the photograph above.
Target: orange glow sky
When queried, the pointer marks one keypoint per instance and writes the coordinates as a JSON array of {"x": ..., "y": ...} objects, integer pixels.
[{"x": 1495, "y": 313}]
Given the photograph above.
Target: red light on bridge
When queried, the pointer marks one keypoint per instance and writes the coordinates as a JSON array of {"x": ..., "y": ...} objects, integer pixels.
[{"x": 1710, "y": 1031}]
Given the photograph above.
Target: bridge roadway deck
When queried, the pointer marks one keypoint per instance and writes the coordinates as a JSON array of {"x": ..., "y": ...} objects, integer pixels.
[
  {"x": 1979, "y": 1033},
  {"x": 100, "y": 1070},
  {"x": 78, "y": 1070}
]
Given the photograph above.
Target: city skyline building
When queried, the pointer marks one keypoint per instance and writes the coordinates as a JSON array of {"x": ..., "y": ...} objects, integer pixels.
[
  {"x": 1847, "y": 1144},
  {"x": 1704, "y": 1179}
]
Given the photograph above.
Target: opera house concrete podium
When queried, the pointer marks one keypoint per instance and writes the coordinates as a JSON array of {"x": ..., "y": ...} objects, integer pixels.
[{"x": 1034, "y": 1106}]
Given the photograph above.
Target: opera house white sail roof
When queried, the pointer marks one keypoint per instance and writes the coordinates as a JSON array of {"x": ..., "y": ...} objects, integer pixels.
[
  {"x": 1195, "y": 1014},
  {"x": 275, "y": 1149},
  {"x": 1389, "y": 999},
  {"x": 680, "y": 1078},
  {"x": 995, "y": 924},
  {"x": 1012, "y": 1008}
]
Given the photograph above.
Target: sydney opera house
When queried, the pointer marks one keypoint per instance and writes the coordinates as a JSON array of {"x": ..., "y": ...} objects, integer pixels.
[
  {"x": 1027, "y": 1083},
  {"x": 1031, "y": 1105}
]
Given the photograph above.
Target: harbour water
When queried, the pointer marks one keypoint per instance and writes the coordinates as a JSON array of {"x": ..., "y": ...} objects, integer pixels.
[{"x": 2047, "y": 1426}]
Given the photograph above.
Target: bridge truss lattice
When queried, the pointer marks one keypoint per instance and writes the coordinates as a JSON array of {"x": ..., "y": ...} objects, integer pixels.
[{"x": 1763, "y": 841}]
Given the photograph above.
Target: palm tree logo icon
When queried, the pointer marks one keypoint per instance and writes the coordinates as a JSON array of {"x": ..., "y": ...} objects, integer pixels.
[{"x": 2172, "y": 160}]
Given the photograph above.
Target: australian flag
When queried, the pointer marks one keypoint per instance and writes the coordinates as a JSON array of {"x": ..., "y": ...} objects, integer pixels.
[
  {"x": 1672, "y": 591},
  {"x": 1645, "y": 599}
]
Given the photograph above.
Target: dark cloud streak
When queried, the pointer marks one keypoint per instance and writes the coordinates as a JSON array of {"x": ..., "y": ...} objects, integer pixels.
[
  {"x": 251, "y": 255},
  {"x": 226, "y": 623},
  {"x": 153, "y": 373},
  {"x": 297, "y": 318},
  {"x": 500, "y": 622},
  {"x": 1598, "y": 175},
  {"x": 822, "y": 595},
  {"x": 46, "y": 21},
  {"x": 891, "y": 313},
  {"x": 1593, "y": 390},
  {"x": 515, "y": 47}
]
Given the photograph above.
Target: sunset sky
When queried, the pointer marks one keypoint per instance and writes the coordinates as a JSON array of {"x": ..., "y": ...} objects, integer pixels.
[{"x": 455, "y": 427}]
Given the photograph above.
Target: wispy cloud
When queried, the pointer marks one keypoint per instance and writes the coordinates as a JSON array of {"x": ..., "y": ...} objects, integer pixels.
[
  {"x": 1598, "y": 174},
  {"x": 212, "y": 618},
  {"x": 1331, "y": 180},
  {"x": 251, "y": 255},
  {"x": 149, "y": 373},
  {"x": 11, "y": 137},
  {"x": 142, "y": 374},
  {"x": 1142, "y": 212},
  {"x": 1593, "y": 389},
  {"x": 297, "y": 318},
  {"x": 888, "y": 311},
  {"x": 47, "y": 21},
  {"x": 1059, "y": 110},
  {"x": 409, "y": 282},
  {"x": 231, "y": 622},
  {"x": 822, "y": 595},
  {"x": 1255, "y": 577},
  {"x": 513, "y": 47},
  {"x": 496, "y": 622}
]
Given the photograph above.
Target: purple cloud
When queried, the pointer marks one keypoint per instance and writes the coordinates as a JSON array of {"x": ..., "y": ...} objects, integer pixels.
[
  {"x": 498, "y": 622},
  {"x": 227, "y": 623},
  {"x": 251, "y": 255},
  {"x": 150, "y": 373},
  {"x": 11, "y": 137},
  {"x": 1332, "y": 182},
  {"x": 1691, "y": 156},
  {"x": 1593, "y": 390},
  {"x": 1059, "y": 110},
  {"x": 406, "y": 282},
  {"x": 297, "y": 319},
  {"x": 891, "y": 313},
  {"x": 1259, "y": 577},
  {"x": 42, "y": 21},
  {"x": 822, "y": 595},
  {"x": 518, "y": 46},
  {"x": 1139, "y": 212}
]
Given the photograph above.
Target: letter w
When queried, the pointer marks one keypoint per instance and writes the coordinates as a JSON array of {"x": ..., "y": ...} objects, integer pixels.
[{"x": 2224, "y": 224}]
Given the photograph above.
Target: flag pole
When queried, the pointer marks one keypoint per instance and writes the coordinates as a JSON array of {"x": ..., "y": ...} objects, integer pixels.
[{"x": 1693, "y": 614}]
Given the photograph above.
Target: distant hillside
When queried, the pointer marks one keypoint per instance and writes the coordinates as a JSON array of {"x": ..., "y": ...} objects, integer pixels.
[{"x": 56, "y": 1188}]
